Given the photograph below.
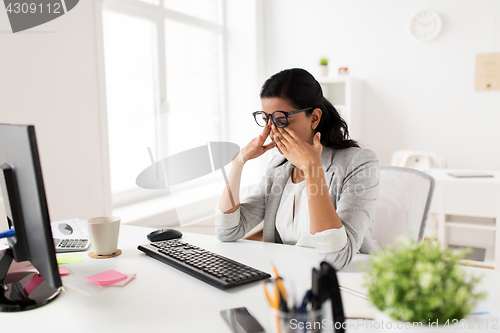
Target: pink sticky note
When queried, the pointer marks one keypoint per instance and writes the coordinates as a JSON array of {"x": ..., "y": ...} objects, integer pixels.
[
  {"x": 123, "y": 282},
  {"x": 106, "y": 277},
  {"x": 63, "y": 270},
  {"x": 33, "y": 283}
]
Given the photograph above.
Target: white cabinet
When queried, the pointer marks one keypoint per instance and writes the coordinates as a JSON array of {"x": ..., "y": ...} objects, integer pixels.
[
  {"x": 345, "y": 93},
  {"x": 468, "y": 211}
]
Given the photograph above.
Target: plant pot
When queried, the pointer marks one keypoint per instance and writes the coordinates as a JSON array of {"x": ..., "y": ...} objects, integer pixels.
[
  {"x": 384, "y": 323},
  {"x": 323, "y": 70}
]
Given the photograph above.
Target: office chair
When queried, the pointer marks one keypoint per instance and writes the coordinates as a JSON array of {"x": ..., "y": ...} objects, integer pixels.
[{"x": 403, "y": 205}]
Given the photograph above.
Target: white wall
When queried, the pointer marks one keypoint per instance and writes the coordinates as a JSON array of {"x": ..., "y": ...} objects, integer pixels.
[
  {"x": 48, "y": 77},
  {"x": 417, "y": 95},
  {"x": 245, "y": 75}
]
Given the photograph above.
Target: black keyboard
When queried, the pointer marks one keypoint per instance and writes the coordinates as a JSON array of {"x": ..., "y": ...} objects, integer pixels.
[{"x": 207, "y": 266}]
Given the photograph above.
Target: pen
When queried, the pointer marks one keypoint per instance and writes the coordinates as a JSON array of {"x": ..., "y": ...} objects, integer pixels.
[
  {"x": 279, "y": 301},
  {"x": 279, "y": 283},
  {"x": 8, "y": 233},
  {"x": 282, "y": 302},
  {"x": 354, "y": 292},
  {"x": 272, "y": 302},
  {"x": 305, "y": 301}
]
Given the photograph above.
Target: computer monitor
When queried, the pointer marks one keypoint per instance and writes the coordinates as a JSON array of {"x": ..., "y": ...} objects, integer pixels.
[{"x": 23, "y": 195}]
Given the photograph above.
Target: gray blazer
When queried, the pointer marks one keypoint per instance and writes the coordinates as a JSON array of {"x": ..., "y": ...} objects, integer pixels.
[{"x": 352, "y": 176}]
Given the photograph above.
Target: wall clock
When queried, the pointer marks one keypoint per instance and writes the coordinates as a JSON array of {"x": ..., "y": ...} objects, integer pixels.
[{"x": 425, "y": 25}]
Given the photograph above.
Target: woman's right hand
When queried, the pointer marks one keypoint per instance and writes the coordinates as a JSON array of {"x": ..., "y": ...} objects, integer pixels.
[{"x": 256, "y": 147}]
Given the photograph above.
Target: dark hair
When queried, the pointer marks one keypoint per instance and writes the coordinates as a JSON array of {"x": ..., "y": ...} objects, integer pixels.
[{"x": 301, "y": 90}]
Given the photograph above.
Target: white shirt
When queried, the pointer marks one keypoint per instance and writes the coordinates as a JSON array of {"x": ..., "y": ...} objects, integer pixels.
[{"x": 293, "y": 224}]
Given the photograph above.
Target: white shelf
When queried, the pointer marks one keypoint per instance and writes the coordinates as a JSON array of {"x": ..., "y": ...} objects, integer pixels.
[
  {"x": 345, "y": 92},
  {"x": 486, "y": 263},
  {"x": 470, "y": 222},
  {"x": 489, "y": 259},
  {"x": 468, "y": 213},
  {"x": 470, "y": 226}
]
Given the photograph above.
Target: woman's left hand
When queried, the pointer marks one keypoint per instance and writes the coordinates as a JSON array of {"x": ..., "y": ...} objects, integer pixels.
[{"x": 300, "y": 153}]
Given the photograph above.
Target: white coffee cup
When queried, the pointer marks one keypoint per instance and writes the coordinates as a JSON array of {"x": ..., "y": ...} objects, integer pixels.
[{"x": 103, "y": 233}]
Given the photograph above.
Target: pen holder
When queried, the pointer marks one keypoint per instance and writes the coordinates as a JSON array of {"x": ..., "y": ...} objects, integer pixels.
[
  {"x": 306, "y": 322},
  {"x": 321, "y": 309}
]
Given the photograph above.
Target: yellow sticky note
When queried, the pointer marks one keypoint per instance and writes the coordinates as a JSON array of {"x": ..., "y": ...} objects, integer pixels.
[{"x": 69, "y": 258}]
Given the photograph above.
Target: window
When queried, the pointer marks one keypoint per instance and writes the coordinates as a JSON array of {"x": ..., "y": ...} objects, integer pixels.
[
  {"x": 130, "y": 96},
  {"x": 192, "y": 86},
  {"x": 203, "y": 9},
  {"x": 164, "y": 80}
]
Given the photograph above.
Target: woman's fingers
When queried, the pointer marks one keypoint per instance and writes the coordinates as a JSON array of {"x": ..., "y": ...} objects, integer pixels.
[
  {"x": 280, "y": 141},
  {"x": 265, "y": 132},
  {"x": 285, "y": 134},
  {"x": 270, "y": 145},
  {"x": 291, "y": 133},
  {"x": 277, "y": 135},
  {"x": 263, "y": 136},
  {"x": 280, "y": 144}
]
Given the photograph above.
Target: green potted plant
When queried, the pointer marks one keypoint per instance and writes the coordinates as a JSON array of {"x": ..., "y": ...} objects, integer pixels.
[
  {"x": 419, "y": 282},
  {"x": 323, "y": 66}
]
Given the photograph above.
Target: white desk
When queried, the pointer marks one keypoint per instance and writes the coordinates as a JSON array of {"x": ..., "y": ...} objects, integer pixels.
[
  {"x": 164, "y": 299},
  {"x": 469, "y": 204}
]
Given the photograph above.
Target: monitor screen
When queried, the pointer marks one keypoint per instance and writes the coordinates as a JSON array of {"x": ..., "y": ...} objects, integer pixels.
[{"x": 25, "y": 204}]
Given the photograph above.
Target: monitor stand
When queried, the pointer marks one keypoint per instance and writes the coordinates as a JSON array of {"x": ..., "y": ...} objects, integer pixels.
[{"x": 21, "y": 292}]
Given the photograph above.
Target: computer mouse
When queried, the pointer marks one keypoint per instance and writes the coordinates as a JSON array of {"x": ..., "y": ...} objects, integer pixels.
[{"x": 164, "y": 234}]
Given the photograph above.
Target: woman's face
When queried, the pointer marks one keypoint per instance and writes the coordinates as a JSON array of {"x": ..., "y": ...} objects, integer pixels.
[{"x": 299, "y": 123}]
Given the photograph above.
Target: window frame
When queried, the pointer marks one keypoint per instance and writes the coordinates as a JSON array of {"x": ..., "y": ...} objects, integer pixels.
[{"x": 157, "y": 14}]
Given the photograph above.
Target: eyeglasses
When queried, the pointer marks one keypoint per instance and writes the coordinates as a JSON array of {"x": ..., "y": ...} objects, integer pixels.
[{"x": 279, "y": 118}]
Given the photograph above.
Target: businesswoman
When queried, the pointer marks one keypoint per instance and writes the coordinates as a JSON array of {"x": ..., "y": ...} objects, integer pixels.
[{"x": 320, "y": 191}]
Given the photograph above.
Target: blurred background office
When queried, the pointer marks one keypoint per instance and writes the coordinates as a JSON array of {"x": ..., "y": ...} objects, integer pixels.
[{"x": 114, "y": 85}]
